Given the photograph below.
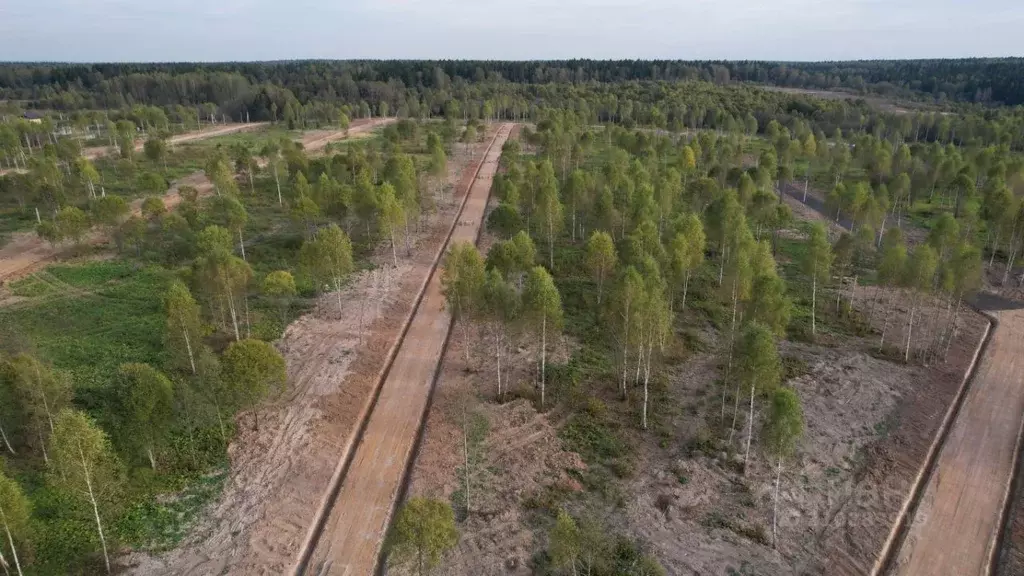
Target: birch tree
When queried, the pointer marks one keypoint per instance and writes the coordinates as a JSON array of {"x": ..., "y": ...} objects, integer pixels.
[
  {"x": 42, "y": 393},
  {"x": 423, "y": 531},
  {"x": 653, "y": 323},
  {"x": 390, "y": 216},
  {"x": 686, "y": 254},
  {"x": 252, "y": 370},
  {"x": 327, "y": 258},
  {"x": 782, "y": 431},
  {"x": 501, "y": 305},
  {"x": 184, "y": 327},
  {"x": 228, "y": 212},
  {"x": 15, "y": 513},
  {"x": 223, "y": 276},
  {"x": 759, "y": 370},
  {"x": 462, "y": 282},
  {"x": 917, "y": 277},
  {"x": 145, "y": 411},
  {"x": 627, "y": 300},
  {"x": 601, "y": 259},
  {"x": 543, "y": 306},
  {"x": 549, "y": 209},
  {"x": 84, "y": 465},
  {"x": 280, "y": 286},
  {"x": 817, "y": 264},
  {"x": 890, "y": 270},
  {"x": 272, "y": 155}
]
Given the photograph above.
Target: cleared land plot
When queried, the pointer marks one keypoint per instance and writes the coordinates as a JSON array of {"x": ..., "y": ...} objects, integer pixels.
[
  {"x": 956, "y": 524},
  {"x": 354, "y": 530},
  {"x": 96, "y": 152},
  {"x": 334, "y": 356}
]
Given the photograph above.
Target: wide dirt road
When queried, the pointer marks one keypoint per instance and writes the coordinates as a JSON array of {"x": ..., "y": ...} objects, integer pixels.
[
  {"x": 354, "y": 530},
  {"x": 96, "y": 152},
  {"x": 955, "y": 527},
  {"x": 316, "y": 140}
]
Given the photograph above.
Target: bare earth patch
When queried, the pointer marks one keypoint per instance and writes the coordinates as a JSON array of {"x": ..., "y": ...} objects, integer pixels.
[{"x": 279, "y": 473}]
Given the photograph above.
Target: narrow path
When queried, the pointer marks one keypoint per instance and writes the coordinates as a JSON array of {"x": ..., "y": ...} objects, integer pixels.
[
  {"x": 353, "y": 531},
  {"x": 956, "y": 525}
]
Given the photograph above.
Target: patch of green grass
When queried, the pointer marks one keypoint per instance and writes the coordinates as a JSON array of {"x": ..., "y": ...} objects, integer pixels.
[{"x": 111, "y": 314}]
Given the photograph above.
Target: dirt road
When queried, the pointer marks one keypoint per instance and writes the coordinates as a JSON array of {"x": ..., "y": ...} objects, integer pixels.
[
  {"x": 956, "y": 525},
  {"x": 317, "y": 139},
  {"x": 96, "y": 152},
  {"x": 26, "y": 252},
  {"x": 355, "y": 527}
]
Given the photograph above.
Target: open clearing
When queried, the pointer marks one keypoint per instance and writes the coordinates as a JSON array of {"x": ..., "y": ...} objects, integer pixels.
[
  {"x": 279, "y": 473},
  {"x": 354, "y": 529},
  {"x": 316, "y": 140},
  {"x": 211, "y": 132}
]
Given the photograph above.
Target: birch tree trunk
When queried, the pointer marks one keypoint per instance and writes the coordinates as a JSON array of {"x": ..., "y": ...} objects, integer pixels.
[
  {"x": 95, "y": 508},
  {"x": 3, "y": 435},
  {"x": 10, "y": 540},
  {"x": 910, "y": 329},
  {"x": 543, "y": 355},
  {"x": 750, "y": 429},
  {"x": 775, "y": 506}
]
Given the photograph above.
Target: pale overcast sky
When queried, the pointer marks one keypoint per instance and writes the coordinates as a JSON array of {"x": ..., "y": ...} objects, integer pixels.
[{"x": 218, "y": 30}]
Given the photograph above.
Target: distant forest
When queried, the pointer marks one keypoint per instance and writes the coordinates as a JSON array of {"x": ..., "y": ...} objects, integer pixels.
[{"x": 255, "y": 87}]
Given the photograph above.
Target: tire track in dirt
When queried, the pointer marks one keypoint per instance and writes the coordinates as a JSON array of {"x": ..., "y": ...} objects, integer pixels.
[{"x": 346, "y": 536}]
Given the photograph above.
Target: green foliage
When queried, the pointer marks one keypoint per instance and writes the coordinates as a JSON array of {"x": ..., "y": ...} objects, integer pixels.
[
  {"x": 422, "y": 532},
  {"x": 252, "y": 370},
  {"x": 145, "y": 411}
]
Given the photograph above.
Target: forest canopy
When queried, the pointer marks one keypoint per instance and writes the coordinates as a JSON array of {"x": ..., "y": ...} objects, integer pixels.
[{"x": 78, "y": 86}]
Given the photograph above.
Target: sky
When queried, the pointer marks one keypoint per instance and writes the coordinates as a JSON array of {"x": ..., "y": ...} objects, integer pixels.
[{"x": 233, "y": 30}]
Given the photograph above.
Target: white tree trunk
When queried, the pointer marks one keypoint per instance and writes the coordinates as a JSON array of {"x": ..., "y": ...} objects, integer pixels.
[
  {"x": 234, "y": 316},
  {"x": 10, "y": 540},
  {"x": 95, "y": 508},
  {"x": 497, "y": 355},
  {"x": 910, "y": 329},
  {"x": 277, "y": 179},
  {"x": 3, "y": 436},
  {"x": 750, "y": 430},
  {"x": 543, "y": 355},
  {"x": 814, "y": 299},
  {"x": 241, "y": 244},
  {"x": 775, "y": 506}
]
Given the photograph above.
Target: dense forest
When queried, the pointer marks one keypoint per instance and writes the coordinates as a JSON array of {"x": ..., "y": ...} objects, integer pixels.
[{"x": 71, "y": 86}]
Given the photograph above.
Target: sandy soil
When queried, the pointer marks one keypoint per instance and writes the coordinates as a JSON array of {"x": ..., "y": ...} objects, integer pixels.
[
  {"x": 863, "y": 413},
  {"x": 26, "y": 252},
  {"x": 355, "y": 526},
  {"x": 524, "y": 456},
  {"x": 870, "y": 424},
  {"x": 316, "y": 140},
  {"x": 210, "y": 132},
  {"x": 957, "y": 522},
  {"x": 280, "y": 473}
]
